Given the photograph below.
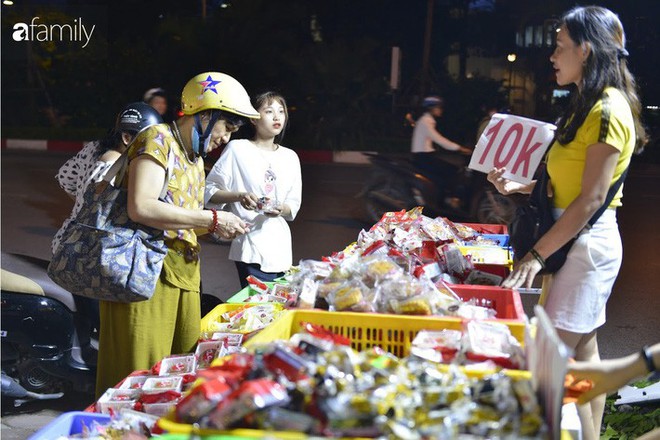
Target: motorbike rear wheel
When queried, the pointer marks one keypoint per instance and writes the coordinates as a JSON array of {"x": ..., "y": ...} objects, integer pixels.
[
  {"x": 386, "y": 197},
  {"x": 491, "y": 207}
]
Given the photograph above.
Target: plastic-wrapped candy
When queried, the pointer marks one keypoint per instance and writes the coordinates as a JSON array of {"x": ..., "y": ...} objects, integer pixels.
[
  {"x": 353, "y": 296},
  {"x": 247, "y": 319},
  {"x": 281, "y": 419},
  {"x": 493, "y": 341},
  {"x": 201, "y": 399},
  {"x": 250, "y": 396},
  {"x": 437, "y": 346},
  {"x": 375, "y": 269}
]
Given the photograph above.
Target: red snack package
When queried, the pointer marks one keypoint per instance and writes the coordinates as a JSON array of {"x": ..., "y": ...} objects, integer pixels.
[
  {"x": 323, "y": 333},
  {"x": 251, "y": 396},
  {"x": 574, "y": 389},
  {"x": 165, "y": 396},
  {"x": 202, "y": 399},
  {"x": 256, "y": 284},
  {"x": 287, "y": 363}
]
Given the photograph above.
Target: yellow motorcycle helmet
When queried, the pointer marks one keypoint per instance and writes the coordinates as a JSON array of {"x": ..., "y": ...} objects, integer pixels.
[{"x": 216, "y": 91}]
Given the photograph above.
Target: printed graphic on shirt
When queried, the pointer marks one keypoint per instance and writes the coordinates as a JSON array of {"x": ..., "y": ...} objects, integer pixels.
[{"x": 269, "y": 182}]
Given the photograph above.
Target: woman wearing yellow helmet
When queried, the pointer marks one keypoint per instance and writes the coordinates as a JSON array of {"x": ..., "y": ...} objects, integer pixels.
[{"x": 134, "y": 336}]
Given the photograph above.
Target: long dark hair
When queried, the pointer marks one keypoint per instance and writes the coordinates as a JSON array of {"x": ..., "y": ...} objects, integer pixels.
[
  {"x": 266, "y": 98},
  {"x": 606, "y": 66},
  {"x": 111, "y": 141}
]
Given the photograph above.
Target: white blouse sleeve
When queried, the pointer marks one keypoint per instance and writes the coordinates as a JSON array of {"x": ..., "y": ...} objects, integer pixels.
[
  {"x": 73, "y": 173},
  {"x": 294, "y": 197},
  {"x": 218, "y": 178}
]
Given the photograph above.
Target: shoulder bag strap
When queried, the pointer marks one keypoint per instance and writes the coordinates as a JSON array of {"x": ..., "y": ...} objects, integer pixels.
[
  {"x": 610, "y": 196},
  {"x": 118, "y": 169}
]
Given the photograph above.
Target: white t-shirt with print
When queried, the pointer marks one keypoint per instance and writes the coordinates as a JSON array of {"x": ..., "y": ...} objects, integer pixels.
[{"x": 243, "y": 167}]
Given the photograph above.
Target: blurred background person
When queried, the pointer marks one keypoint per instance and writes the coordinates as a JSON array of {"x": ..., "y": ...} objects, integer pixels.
[
  {"x": 157, "y": 98},
  {"x": 424, "y": 154}
]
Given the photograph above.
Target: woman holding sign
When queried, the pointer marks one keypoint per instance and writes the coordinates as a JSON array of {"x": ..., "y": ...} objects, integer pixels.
[{"x": 595, "y": 140}]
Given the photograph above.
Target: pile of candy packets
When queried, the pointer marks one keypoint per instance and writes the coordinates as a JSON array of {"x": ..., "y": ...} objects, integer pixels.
[
  {"x": 278, "y": 293},
  {"x": 317, "y": 384},
  {"x": 403, "y": 264},
  {"x": 157, "y": 390},
  {"x": 245, "y": 319}
]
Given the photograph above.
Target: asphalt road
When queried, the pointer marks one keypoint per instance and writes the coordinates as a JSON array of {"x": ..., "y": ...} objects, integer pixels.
[{"x": 33, "y": 207}]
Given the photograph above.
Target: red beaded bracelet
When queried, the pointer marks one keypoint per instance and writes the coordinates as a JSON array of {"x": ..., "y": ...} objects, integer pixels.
[{"x": 214, "y": 227}]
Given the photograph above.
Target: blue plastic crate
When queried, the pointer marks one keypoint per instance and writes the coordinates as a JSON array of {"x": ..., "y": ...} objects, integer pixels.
[
  {"x": 501, "y": 239},
  {"x": 69, "y": 423}
]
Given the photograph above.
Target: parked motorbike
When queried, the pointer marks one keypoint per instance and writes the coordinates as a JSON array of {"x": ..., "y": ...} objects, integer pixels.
[
  {"x": 396, "y": 183},
  {"x": 49, "y": 345}
]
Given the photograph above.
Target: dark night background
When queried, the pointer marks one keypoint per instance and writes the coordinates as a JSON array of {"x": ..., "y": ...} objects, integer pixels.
[{"x": 330, "y": 58}]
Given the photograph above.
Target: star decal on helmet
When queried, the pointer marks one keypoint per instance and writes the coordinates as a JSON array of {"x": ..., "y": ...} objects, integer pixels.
[{"x": 209, "y": 84}]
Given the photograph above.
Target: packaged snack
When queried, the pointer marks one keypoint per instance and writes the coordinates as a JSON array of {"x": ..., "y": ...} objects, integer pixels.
[
  {"x": 266, "y": 205},
  {"x": 418, "y": 305},
  {"x": 285, "y": 362},
  {"x": 247, "y": 318},
  {"x": 133, "y": 382},
  {"x": 114, "y": 399},
  {"x": 228, "y": 339},
  {"x": 257, "y": 285},
  {"x": 250, "y": 396},
  {"x": 471, "y": 311},
  {"x": 286, "y": 292},
  {"x": 490, "y": 340},
  {"x": 437, "y": 229},
  {"x": 353, "y": 296},
  {"x": 260, "y": 298},
  {"x": 206, "y": 352},
  {"x": 175, "y": 365},
  {"x": 201, "y": 399},
  {"x": 456, "y": 263},
  {"x": 379, "y": 268},
  {"x": 280, "y": 419},
  {"x": 573, "y": 388},
  {"x": 159, "y": 384},
  {"x": 158, "y": 404},
  {"x": 483, "y": 278}
]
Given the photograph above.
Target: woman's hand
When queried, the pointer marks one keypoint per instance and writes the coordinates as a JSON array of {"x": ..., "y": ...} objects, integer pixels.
[
  {"x": 248, "y": 200},
  {"x": 231, "y": 226},
  {"x": 275, "y": 211},
  {"x": 523, "y": 273},
  {"x": 504, "y": 186}
]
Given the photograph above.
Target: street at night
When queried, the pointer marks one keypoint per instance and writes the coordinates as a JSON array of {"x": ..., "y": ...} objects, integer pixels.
[{"x": 383, "y": 103}]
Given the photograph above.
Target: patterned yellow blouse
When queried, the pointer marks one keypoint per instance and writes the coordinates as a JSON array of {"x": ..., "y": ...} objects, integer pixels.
[{"x": 186, "y": 185}]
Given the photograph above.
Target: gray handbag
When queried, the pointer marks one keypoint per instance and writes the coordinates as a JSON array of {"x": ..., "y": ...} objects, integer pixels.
[{"x": 103, "y": 254}]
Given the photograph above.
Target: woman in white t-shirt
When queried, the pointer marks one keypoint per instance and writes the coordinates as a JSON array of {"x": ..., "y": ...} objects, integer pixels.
[{"x": 260, "y": 181}]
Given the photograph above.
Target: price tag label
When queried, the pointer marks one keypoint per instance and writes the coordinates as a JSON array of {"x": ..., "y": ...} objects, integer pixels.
[{"x": 513, "y": 142}]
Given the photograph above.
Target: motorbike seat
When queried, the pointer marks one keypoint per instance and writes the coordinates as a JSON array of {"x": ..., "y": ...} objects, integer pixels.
[
  {"x": 25, "y": 274},
  {"x": 14, "y": 282}
]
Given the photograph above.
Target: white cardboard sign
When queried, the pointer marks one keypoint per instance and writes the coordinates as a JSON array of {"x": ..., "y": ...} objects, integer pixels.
[{"x": 513, "y": 142}]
